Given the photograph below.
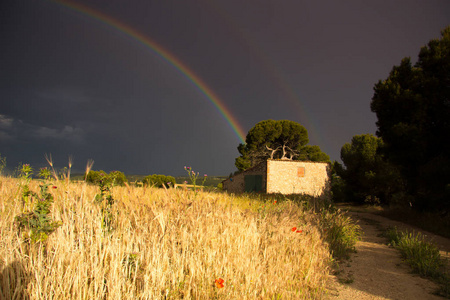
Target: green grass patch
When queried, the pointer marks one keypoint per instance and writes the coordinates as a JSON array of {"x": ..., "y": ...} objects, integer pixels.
[
  {"x": 340, "y": 231},
  {"x": 423, "y": 257}
]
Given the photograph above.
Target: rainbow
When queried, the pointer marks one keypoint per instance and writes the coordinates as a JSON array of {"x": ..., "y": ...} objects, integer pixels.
[
  {"x": 276, "y": 76},
  {"x": 164, "y": 54}
]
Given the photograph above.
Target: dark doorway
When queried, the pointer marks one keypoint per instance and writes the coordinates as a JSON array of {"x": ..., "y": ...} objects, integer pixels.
[{"x": 253, "y": 183}]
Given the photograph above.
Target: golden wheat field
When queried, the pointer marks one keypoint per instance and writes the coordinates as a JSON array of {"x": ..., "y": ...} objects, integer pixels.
[{"x": 164, "y": 244}]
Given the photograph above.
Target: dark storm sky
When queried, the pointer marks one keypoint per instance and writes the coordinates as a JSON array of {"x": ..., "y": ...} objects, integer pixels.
[{"x": 74, "y": 85}]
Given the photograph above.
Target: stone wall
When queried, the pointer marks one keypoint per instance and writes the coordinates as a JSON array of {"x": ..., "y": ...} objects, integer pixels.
[
  {"x": 285, "y": 177},
  {"x": 297, "y": 177},
  {"x": 236, "y": 184}
]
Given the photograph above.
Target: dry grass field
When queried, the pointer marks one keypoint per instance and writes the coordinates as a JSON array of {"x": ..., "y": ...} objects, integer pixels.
[{"x": 164, "y": 244}]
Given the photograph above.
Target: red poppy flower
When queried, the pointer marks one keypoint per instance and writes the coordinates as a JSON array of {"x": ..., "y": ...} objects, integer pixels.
[
  {"x": 275, "y": 202},
  {"x": 55, "y": 187},
  {"x": 219, "y": 283},
  {"x": 294, "y": 229},
  {"x": 299, "y": 231}
]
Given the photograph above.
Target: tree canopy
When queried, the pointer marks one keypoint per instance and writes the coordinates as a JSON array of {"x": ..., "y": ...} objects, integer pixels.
[
  {"x": 281, "y": 139},
  {"x": 413, "y": 110},
  {"x": 368, "y": 177}
]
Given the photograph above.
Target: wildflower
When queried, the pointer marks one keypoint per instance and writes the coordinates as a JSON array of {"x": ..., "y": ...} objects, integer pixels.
[
  {"x": 294, "y": 229},
  {"x": 219, "y": 283},
  {"x": 205, "y": 175},
  {"x": 55, "y": 187},
  {"x": 299, "y": 231},
  {"x": 275, "y": 202}
]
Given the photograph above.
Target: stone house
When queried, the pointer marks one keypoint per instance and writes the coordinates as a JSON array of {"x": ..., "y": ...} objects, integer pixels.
[{"x": 276, "y": 176}]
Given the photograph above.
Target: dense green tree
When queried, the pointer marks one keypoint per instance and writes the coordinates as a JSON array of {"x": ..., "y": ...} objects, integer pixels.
[
  {"x": 312, "y": 153},
  {"x": 282, "y": 139},
  {"x": 413, "y": 110},
  {"x": 367, "y": 176},
  {"x": 338, "y": 187}
]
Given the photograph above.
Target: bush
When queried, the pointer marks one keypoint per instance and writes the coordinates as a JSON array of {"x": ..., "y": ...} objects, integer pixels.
[
  {"x": 118, "y": 178},
  {"x": 158, "y": 180},
  {"x": 422, "y": 256},
  {"x": 340, "y": 232},
  {"x": 115, "y": 177},
  {"x": 94, "y": 176}
]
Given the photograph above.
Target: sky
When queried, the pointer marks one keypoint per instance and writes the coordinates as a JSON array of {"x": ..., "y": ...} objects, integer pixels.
[{"x": 148, "y": 87}]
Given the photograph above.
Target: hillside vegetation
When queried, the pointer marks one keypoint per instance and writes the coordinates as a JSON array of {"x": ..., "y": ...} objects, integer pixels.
[{"x": 152, "y": 243}]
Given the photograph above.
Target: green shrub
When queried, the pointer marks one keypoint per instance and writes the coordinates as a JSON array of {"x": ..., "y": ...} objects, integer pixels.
[
  {"x": 340, "y": 232},
  {"x": 115, "y": 177},
  {"x": 118, "y": 178},
  {"x": 106, "y": 201},
  {"x": 422, "y": 256},
  {"x": 158, "y": 180},
  {"x": 94, "y": 176},
  {"x": 35, "y": 223},
  {"x": 2, "y": 163}
]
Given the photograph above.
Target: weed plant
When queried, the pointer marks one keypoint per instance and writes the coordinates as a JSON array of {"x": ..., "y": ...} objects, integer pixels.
[
  {"x": 2, "y": 163},
  {"x": 193, "y": 177},
  {"x": 105, "y": 200},
  {"x": 34, "y": 223}
]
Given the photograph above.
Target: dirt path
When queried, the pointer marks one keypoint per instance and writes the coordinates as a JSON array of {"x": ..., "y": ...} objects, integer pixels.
[{"x": 377, "y": 271}]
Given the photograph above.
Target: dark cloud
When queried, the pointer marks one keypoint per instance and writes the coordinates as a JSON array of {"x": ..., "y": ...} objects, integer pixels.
[{"x": 71, "y": 84}]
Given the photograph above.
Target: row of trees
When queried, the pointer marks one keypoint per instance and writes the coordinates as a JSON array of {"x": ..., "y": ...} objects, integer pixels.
[{"x": 407, "y": 163}]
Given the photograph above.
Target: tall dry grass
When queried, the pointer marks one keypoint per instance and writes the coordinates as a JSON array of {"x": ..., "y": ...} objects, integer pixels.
[{"x": 167, "y": 244}]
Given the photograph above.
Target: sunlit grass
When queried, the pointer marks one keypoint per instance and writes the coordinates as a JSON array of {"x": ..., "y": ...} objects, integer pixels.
[{"x": 165, "y": 244}]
